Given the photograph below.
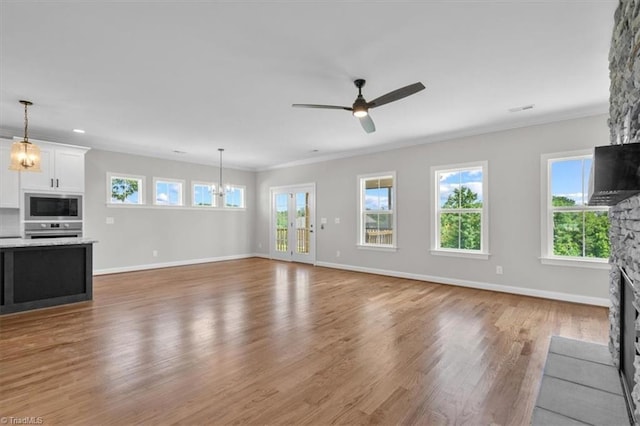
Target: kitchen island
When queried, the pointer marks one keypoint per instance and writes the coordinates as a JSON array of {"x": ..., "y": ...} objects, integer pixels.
[{"x": 38, "y": 273}]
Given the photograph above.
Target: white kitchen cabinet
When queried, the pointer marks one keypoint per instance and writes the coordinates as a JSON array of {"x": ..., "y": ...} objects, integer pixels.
[
  {"x": 9, "y": 179},
  {"x": 62, "y": 169}
]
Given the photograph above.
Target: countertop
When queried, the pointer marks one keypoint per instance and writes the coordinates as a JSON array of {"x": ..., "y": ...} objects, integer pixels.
[{"x": 44, "y": 242}]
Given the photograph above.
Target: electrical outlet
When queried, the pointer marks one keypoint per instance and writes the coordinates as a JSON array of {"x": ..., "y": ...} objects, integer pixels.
[
  {"x": 110, "y": 221},
  {"x": 499, "y": 270},
  {"x": 260, "y": 245},
  {"x": 336, "y": 220},
  {"x": 155, "y": 253},
  {"x": 337, "y": 253}
]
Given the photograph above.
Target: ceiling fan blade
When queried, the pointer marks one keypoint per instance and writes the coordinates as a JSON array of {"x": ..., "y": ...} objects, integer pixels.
[
  {"x": 367, "y": 124},
  {"x": 320, "y": 106},
  {"x": 397, "y": 94}
]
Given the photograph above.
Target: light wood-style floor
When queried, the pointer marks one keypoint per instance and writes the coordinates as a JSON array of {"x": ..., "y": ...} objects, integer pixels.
[{"x": 256, "y": 341}]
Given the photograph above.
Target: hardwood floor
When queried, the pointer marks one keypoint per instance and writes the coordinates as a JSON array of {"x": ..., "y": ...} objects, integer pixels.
[{"x": 262, "y": 342}]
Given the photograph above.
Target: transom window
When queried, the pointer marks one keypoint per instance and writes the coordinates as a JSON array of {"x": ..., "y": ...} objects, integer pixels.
[
  {"x": 460, "y": 213},
  {"x": 125, "y": 189},
  {"x": 377, "y": 203},
  {"x": 234, "y": 196},
  {"x": 168, "y": 192},
  {"x": 573, "y": 230},
  {"x": 203, "y": 194}
]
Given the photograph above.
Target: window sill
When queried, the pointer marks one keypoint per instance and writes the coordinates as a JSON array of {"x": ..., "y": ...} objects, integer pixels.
[
  {"x": 465, "y": 254},
  {"x": 575, "y": 262},
  {"x": 376, "y": 248},
  {"x": 166, "y": 207}
]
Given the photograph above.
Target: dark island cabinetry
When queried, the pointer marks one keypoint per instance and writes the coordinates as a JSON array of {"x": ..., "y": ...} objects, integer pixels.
[{"x": 37, "y": 274}]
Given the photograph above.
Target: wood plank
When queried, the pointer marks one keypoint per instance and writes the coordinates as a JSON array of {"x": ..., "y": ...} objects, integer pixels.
[{"x": 255, "y": 341}]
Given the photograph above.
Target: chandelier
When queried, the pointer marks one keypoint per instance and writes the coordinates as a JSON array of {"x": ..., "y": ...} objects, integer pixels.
[{"x": 222, "y": 189}]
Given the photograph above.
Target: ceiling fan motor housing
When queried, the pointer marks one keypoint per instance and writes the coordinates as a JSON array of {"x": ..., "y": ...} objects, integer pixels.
[{"x": 360, "y": 107}]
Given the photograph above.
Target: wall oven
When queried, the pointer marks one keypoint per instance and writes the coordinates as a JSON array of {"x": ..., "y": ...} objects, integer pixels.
[
  {"x": 33, "y": 230},
  {"x": 59, "y": 207}
]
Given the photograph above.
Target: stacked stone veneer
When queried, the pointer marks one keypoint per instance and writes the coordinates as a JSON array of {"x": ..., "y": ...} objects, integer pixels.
[{"x": 624, "y": 124}]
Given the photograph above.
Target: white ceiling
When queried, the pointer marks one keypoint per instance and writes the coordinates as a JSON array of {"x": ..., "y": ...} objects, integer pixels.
[{"x": 152, "y": 77}]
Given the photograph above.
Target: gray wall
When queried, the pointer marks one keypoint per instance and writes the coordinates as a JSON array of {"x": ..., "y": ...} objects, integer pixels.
[
  {"x": 179, "y": 235},
  {"x": 514, "y": 209}
]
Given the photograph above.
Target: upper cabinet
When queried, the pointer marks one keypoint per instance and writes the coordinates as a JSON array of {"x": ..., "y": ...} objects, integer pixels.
[
  {"x": 9, "y": 180},
  {"x": 62, "y": 169}
]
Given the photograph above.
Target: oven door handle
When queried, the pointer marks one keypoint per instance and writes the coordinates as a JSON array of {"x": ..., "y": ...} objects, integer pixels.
[{"x": 54, "y": 233}]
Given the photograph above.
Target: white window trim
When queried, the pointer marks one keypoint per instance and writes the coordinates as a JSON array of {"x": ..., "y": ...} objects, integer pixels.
[
  {"x": 394, "y": 236},
  {"x": 214, "y": 197},
  {"x": 244, "y": 197},
  {"x": 168, "y": 180},
  {"x": 141, "y": 190},
  {"x": 436, "y": 250},
  {"x": 546, "y": 215}
]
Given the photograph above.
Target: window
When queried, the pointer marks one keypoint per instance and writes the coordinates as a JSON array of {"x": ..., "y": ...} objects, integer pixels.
[
  {"x": 203, "y": 194},
  {"x": 125, "y": 189},
  {"x": 234, "y": 196},
  {"x": 571, "y": 229},
  {"x": 377, "y": 222},
  {"x": 168, "y": 192},
  {"x": 460, "y": 225}
]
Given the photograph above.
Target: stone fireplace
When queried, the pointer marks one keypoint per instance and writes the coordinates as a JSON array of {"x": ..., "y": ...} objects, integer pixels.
[{"x": 624, "y": 125}]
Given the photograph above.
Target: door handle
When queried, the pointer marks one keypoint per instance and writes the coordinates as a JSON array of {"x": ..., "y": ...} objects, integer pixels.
[
  {"x": 52, "y": 182},
  {"x": 57, "y": 183}
]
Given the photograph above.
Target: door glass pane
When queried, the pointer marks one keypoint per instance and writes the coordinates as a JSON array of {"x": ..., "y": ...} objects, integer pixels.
[
  {"x": 302, "y": 222},
  {"x": 282, "y": 222}
]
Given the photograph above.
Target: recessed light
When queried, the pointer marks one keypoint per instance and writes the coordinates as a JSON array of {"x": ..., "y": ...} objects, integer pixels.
[
  {"x": 315, "y": 150},
  {"x": 78, "y": 130},
  {"x": 175, "y": 151},
  {"x": 521, "y": 108}
]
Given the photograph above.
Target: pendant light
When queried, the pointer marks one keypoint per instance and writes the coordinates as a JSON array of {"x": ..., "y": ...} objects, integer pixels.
[
  {"x": 25, "y": 156},
  {"x": 220, "y": 191}
]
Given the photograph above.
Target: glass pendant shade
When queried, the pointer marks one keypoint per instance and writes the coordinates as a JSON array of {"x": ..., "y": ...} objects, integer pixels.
[{"x": 25, "y": 156}]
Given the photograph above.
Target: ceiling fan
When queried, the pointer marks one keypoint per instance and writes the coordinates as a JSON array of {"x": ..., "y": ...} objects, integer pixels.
[{"x": 361, "y": 107}]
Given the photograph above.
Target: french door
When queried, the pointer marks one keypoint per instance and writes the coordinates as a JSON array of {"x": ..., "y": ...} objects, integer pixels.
[{"x": 293, "y": 223}]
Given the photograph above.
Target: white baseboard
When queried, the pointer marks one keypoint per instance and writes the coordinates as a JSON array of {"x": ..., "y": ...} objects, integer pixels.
[
  {"x": 262, "y": 255},
  {"x": 597, "y": 301},
  {"x": 170, "y": 264},
  {"x": 587, "y": 300}
]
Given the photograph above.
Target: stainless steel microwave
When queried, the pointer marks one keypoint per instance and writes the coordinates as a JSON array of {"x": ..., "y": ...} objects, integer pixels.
[{"x": 52, "y": 207}]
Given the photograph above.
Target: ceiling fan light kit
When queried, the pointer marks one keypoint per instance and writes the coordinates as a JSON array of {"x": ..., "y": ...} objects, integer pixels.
[{"x": 361, "y": 107}]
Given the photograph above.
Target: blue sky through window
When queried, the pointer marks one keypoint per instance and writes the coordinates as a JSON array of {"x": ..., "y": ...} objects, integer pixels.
[
  {"x": 376, "y": 199},
  {"x": 451, "y": 180},
  {"x": 202, "y": 195},
  {"x": 168, "y": 193},
  {"x": 233, "y": 197},
  {"x": 570, "y": 179}
]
